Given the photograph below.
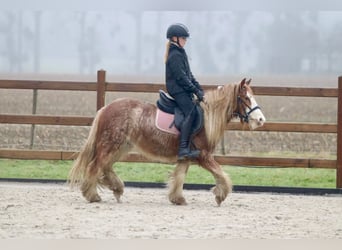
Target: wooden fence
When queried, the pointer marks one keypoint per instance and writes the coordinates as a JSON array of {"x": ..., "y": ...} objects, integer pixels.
[{"x": 101, "y": 86}]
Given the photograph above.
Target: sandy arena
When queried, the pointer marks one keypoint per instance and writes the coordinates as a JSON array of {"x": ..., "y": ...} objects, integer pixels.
[{"x": 53, "y": 211}]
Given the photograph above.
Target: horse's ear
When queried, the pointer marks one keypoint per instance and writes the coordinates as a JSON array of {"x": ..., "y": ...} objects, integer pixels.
[
  {"x": 243, "y": 90},
  {"x": 242, "y": 83},
  {"x": 249, "y": 81}
]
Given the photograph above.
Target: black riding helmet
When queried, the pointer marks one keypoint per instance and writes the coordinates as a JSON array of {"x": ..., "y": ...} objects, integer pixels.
[{"x": 178, "y": 30}]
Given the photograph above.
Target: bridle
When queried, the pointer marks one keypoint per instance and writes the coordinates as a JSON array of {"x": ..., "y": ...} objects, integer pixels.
[{"x": 245, "y": 116}]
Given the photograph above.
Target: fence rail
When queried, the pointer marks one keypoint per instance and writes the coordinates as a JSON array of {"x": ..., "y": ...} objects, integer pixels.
[{"x": 101, "y": 86}]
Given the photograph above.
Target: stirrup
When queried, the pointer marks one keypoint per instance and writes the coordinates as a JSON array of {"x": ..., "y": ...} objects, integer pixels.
[{"x": 191, "y": 154}]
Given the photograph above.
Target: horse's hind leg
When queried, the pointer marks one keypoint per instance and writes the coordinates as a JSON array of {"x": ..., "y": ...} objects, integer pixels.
[
  {"x": 109, "y": 178},
  {"x": 100, "y": 172},
  {"x": 176, "y": 182},
  {"x": 89, "y": 184},
  {"x": 113, "y": 182}
]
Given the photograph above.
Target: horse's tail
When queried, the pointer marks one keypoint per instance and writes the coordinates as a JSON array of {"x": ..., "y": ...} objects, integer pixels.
[{"x": 86, "y": 156}]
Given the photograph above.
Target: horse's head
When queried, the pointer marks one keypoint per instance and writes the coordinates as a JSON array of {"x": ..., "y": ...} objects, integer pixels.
[{"x": 247, "y": 108}]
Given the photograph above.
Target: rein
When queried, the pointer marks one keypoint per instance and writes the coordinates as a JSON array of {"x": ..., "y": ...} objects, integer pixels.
[{"x": 245, "y": 116}]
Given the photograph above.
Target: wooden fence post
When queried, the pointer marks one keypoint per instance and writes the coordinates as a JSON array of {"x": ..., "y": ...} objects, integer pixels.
[
  {"x": 339, "y": 136},
  {"x": 101, "y": 88},
  {"x": 34, "y": 111}
]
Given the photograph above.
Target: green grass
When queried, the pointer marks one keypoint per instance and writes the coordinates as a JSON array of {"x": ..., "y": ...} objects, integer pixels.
[{"x": 150, "y": 172}]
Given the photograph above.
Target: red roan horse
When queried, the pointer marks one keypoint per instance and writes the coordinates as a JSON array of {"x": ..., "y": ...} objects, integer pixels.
[{"x": 128, "y": 123}]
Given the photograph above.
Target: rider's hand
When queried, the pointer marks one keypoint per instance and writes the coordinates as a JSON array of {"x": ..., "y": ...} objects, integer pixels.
[{"x": 200, "y": 95}]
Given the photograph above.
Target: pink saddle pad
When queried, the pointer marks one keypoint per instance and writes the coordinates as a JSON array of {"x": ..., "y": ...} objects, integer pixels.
[{"x": 164, "y": 122}]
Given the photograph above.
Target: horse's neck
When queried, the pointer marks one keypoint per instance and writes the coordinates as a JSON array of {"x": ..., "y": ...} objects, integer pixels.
[{"x": 219, "y": 112}]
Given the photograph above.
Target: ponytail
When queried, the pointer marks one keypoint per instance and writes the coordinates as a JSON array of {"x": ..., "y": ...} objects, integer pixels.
[{"x": 167, "y": 50}]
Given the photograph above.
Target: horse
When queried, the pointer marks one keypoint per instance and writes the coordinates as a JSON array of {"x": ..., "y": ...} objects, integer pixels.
[{"x": 128, "y": 123}]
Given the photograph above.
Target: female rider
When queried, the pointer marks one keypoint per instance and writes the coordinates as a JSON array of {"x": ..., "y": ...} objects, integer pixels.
[{"x": 181, "y": 85}]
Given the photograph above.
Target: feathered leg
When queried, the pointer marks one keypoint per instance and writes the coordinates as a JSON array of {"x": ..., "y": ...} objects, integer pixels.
[{"x": 176, "y": 182}]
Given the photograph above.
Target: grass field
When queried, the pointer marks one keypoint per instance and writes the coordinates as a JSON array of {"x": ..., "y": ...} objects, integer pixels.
[{"x": 150, "y": 172}]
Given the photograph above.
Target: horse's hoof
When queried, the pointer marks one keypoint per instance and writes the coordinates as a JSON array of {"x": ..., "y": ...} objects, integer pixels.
[
  {"x": 219, "y": 195},
  {"x": 95, "y": 198},
  {"x": 179, "y": 201},
  {"x": 117, "y": 197},
  {"x": 218, "y": 200}
]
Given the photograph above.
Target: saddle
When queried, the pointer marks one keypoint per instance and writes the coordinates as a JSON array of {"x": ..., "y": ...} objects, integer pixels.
[{"x": 169, "y": 113}]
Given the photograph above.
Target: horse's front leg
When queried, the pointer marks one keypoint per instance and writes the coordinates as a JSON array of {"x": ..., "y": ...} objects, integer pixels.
[
  {"x": 223, "y": 183},
  {"x": 176, "y": 182}
]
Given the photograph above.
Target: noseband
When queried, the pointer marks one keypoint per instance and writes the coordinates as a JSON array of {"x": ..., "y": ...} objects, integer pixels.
[{"x": 244, "y": 117}]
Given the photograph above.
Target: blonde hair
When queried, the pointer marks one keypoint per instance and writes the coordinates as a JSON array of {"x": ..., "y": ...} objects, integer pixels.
[
  {"x": 218, "y": 109},
  {"x": 167, "y": 51}
]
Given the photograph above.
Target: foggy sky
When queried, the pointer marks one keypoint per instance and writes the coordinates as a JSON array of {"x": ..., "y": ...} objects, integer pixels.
[{"x": 228, "y": 42}]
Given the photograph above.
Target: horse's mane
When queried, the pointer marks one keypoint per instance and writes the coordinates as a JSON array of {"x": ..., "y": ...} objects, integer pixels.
[{"x": 218, "y": 111}]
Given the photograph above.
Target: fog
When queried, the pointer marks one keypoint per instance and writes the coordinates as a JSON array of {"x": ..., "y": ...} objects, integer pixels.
[{"x": 132, "y": 42}]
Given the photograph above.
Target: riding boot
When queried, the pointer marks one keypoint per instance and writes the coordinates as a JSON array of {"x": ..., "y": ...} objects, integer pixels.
[{"x": 184, "y": 151}]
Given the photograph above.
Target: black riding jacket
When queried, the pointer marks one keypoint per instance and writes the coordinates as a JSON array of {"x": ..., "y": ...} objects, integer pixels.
[{"x": 179, "y": 78}]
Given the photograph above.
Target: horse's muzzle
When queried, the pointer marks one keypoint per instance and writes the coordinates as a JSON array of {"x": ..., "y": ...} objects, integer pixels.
[{"x": 256, "y": 123}]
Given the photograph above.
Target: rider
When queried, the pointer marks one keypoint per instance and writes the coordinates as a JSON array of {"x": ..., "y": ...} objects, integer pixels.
[{"x": 181, "y": 85}]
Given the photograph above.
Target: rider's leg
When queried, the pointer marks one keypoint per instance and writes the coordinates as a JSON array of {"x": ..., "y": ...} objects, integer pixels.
[{"x": 187, "y": 106}]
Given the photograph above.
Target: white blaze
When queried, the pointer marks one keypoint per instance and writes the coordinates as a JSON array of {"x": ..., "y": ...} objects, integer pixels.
[{"x": 256, "y": 117}]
